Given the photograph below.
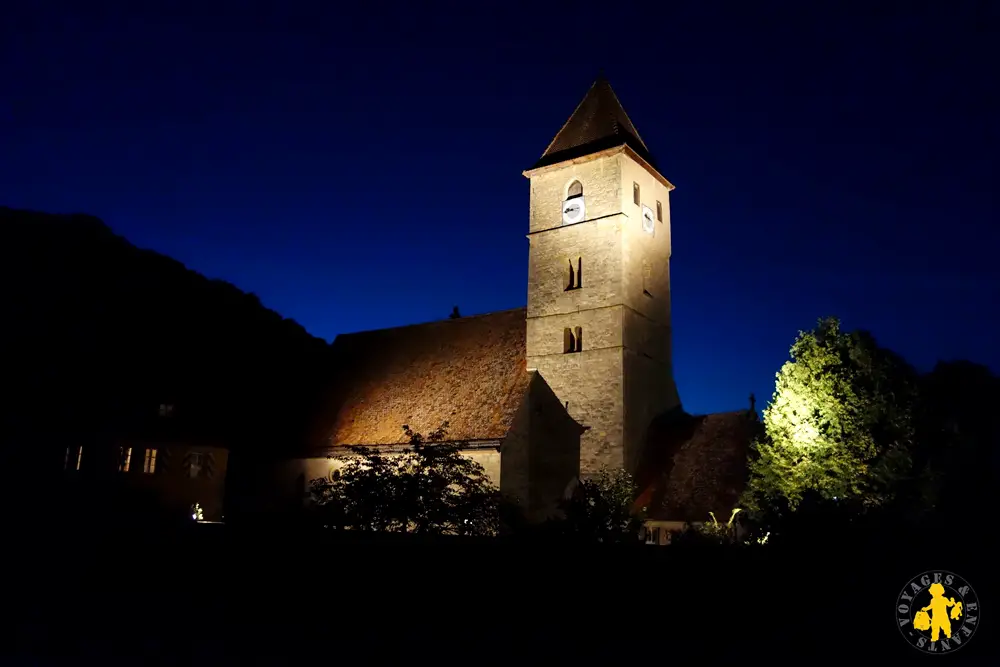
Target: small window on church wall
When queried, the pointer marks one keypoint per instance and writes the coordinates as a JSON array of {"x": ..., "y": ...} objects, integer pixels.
[
  {"x": 659, "y": 211},
  {"x": 647, "y": 277},
  {"x": 635, "y": 193},
  {"x": 579, "y": 339},
  {"x": 569, "y": 342},
  {"x": 575, "y": 190},
  {"x": 574, "y": 274}
]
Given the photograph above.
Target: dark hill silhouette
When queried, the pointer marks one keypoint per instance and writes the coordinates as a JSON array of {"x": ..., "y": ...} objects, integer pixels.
[{"x": 97, "y": 334}]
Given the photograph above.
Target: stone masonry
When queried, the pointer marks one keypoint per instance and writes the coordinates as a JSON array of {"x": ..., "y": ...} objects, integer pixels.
[{"x": 622, "y": 377}]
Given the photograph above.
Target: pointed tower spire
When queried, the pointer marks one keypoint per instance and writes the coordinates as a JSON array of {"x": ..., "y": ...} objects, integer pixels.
[{"x": 599, "y": 122}]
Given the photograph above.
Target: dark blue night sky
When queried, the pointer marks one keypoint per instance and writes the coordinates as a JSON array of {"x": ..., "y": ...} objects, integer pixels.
[{"x": 362, "y": 169}]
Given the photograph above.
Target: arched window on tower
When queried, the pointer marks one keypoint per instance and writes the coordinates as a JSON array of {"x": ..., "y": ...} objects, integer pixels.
[
  {"x": 575, "y": 190},
  {"x": 579, "y": 339}
]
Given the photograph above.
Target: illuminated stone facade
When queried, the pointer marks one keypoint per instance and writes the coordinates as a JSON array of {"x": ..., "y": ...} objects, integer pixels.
[
  {"x": 590, "y": 353},
  {"x": 621, "y": 377}
]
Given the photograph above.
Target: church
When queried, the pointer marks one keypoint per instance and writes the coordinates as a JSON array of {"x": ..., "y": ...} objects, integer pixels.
[{"x": 578, "y": 379}]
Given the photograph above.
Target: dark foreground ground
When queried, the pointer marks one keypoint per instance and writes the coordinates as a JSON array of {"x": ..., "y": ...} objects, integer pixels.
[{"x": 221, "y": 595}]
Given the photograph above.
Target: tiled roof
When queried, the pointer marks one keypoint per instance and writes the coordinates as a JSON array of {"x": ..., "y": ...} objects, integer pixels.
[
  {"x": 468, "y": 371},
  {"x": 695, "y": 464},
  {"x": 598, "y": 123}
]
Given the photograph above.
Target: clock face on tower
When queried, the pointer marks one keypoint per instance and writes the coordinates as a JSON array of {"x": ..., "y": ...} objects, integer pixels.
[
  {"x": 647, "y": 220},
  {"x": 573, "y": 210}
]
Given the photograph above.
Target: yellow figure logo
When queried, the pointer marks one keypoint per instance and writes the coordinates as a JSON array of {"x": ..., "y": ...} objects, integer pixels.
[
  {"x": 929, "y": 603},
  {"x": 939, "y": 613}
]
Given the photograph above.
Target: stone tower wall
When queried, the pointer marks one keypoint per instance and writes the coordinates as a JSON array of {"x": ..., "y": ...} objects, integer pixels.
[
  {"x": 648, "y": 383},
  {"x": 622, "y": 376}
]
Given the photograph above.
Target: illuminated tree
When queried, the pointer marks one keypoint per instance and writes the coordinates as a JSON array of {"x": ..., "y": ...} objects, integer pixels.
[
  {"x": 714, "y": 532},
  {"x": 430, "y": 488},
  {"x": 839, "y": 426}
]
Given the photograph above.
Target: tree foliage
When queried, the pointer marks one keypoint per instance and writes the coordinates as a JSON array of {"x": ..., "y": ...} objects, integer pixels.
[
  {"x": 839, "y": 425},
  {"x": 601, "y": 508},
  {"x": 712, "y": 532},
  {"x": 429, "y": 488}
]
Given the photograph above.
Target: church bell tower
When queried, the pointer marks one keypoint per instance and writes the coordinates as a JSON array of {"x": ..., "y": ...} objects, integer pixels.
[{"x": 598, "y": 317}]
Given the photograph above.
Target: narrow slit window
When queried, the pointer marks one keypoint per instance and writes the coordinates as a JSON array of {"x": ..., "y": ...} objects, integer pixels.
[
  {"x": 647, "y": 277},
  {"x": 635, "y": 193},
  {"x": 575, "y": 190},
  {"x": 659, "y": 212},
  {"x": 579, "y": 339},
  {"x": 79, "y": 456},
  {"x": 66, "y": 460},
  {"x": 575, "y": 274},
  {"x": 124, "y": 458},
  {"x": 569, "y": 341},
  {"x": 149, "y": 462}
]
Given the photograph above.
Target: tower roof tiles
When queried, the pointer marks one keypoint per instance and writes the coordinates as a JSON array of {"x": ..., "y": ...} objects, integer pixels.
[{"x": 599, "y": 122}]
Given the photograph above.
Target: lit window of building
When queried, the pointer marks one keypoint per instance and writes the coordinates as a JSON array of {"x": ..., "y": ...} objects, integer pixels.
[{"x": 149, "y": 462}]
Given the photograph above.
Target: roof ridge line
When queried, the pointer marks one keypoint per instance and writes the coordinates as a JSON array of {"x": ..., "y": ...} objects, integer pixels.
[
  {"x": 724, "y": 412},
  {"x": 627, "y": 117},
  {"x": 575, "y": 109},
  {"x": 443, "y": 320}
]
